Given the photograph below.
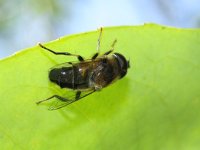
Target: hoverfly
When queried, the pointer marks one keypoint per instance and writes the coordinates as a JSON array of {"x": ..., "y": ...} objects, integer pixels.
[{"x": 86, "y": 76}]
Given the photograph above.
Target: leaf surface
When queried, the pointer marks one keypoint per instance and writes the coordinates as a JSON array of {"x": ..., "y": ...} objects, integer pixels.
[{"x": 156, "y": 106}]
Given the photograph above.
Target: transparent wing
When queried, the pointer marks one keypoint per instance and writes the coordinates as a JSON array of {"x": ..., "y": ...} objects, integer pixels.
[
  {"x": 57, "y": 102},
  {"x": 70, "y": 64},
  {"x": 65, "y": 64}
]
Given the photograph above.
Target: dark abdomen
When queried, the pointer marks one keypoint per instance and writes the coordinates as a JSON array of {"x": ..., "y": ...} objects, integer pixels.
[{"x": 73, "y": 77}]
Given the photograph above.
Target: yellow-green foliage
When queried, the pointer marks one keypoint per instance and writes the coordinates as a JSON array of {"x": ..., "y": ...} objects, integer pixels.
[{"x": 156, "y": 106}]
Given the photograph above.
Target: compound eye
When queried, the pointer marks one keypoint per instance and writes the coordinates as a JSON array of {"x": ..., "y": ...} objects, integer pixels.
[{"x": 123, "y": 63}]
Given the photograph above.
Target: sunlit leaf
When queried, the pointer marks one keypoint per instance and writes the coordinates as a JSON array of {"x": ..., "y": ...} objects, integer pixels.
[{"x": 156, "y": 106}]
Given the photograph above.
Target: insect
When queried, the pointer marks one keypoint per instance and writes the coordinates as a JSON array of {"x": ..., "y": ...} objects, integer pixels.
[{"x": 86, "y": 76}]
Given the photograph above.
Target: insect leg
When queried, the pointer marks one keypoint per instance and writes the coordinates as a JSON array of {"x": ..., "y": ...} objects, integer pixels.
[
  {"x": 54, "y": 96},
  {"x": 80, "y": 58},
  {"x": 98, "y": 44},
  {"x": 112, "y": 47}
]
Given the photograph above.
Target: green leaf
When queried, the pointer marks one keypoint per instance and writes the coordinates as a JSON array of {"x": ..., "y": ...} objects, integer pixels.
[{"x": 156, "y": 106}]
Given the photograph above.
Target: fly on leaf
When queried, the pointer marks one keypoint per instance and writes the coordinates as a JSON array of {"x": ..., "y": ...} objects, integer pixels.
[{"x": 86, "y": 76}]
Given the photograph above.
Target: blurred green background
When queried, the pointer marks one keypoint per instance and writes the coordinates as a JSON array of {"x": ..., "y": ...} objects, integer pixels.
[{"x": 25, "y": 23}]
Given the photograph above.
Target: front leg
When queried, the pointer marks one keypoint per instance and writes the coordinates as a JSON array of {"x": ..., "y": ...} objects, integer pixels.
[{"x": 112, "y": 48}]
